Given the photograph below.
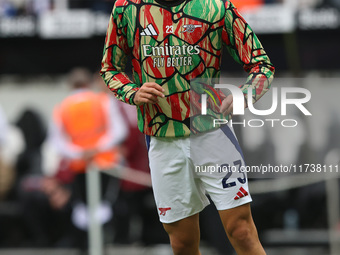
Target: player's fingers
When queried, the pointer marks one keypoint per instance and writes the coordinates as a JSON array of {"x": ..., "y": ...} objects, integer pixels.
[
  {"x": 142, "y": 98},
  {"x": 229, "y": 110},
  {"x": 155, "y": 86},
  {"x": 148, "y": 93},
  {"x": 148, "y": 99},
  {"x": 226, "y": 104},
  {"x": 153, "y": 91},
  {"x": 152, "y": 98}
]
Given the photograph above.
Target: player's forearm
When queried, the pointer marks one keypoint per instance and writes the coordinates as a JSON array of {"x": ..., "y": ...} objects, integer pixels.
[
  {"x": 246, "y": 49},
  {"x": 114, "y": 60},
  {"x": 259, "y": 80},
  {"x": 120, "y": 85},
  {"x": 112, "y": 71}
]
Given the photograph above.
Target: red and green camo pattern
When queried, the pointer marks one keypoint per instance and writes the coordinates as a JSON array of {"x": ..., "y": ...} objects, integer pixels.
[{"x": 172, "y": 46}]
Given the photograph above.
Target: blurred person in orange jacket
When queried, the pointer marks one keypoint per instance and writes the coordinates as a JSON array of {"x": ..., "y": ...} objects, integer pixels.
[
  {"x": 87, "y": 126},
  {"x": 87, "y": 129}
]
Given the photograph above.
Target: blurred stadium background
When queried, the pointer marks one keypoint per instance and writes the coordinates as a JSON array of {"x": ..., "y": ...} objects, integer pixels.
[{"x": 42, "y": 40}]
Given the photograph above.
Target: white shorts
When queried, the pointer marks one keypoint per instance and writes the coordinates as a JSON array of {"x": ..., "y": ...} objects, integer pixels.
[{"x": 185, "y": 169}]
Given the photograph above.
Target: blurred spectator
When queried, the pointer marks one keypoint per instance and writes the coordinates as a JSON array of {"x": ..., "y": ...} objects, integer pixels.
[
  {"x": 34, "y": 133},
  {"x": 11, "y": 144},
  {"x": 87, "y": 126},
  {"x": 29, "y": 170},
  {"x": 87, "y": 129},
  {"x": 22, "y": 152}
]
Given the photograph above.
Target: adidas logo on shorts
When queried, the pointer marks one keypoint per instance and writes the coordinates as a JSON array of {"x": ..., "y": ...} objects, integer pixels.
[
  {"x": 242, "y": 193},
  {"x": 149, "y": 31}
]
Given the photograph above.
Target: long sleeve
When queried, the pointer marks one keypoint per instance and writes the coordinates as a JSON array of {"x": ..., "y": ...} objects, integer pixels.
[
  {"x": 115, "y": 57},
  {"x": 246, "y": 49}
]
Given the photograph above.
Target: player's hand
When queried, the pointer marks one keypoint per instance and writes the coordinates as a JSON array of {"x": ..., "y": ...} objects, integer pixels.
[
  {"x": 149, "y": 93},
  {"x": 227, "y": 105}
]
